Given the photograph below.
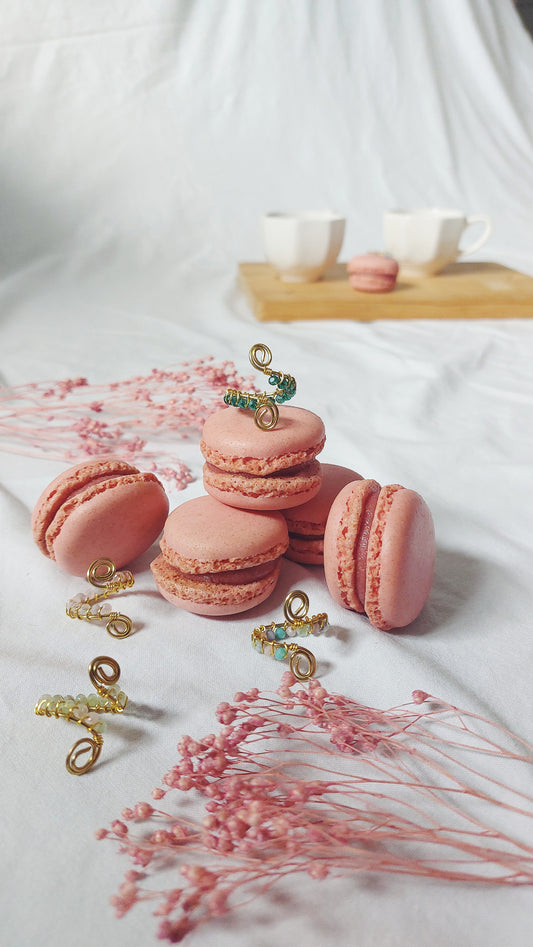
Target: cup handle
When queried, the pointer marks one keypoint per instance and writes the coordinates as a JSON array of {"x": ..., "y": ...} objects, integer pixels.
[{"x": 481, "y": 241}]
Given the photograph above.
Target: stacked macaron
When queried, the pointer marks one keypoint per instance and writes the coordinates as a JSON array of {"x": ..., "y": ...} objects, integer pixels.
[
  {"x": 220, "y": 553},
  {"x": 217, "y": 559},
  {"x": 253, "y": 469}
]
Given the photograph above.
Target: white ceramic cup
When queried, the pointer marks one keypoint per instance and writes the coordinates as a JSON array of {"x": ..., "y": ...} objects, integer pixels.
[
  {"x": 426, "y": 239},
  {"x": 302, "y": 246}
]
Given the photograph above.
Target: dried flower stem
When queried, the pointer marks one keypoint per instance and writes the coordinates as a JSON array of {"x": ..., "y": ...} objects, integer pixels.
[
  {"x": 303, "y": 780},
  {"x": 72, "y": 419}
]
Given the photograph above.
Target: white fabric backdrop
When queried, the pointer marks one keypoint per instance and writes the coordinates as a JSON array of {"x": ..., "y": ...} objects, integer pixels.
[{"x": 140, "y": 144}]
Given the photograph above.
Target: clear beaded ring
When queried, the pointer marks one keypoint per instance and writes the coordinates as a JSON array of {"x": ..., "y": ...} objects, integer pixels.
[
  {"x": 89, "y": 607},
  {"x": 275, "y": 637}
]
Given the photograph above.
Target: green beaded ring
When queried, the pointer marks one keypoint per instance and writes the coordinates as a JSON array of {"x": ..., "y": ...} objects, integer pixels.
[{"x": 264, "y": 406}]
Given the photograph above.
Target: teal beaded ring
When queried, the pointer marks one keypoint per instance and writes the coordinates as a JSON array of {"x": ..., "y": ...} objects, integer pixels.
[
  {"x": 264, "y": 406},
  {"x": 275, "y": 638},
  {"x": 84, "y": 710}
]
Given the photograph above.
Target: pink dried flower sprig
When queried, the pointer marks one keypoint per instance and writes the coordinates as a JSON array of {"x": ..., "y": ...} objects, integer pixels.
[
  {"x": 307, "y": 781},
  {"x": 70, "y": 420}
]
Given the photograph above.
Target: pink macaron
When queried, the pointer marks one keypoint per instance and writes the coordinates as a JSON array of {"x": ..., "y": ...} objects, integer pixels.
[
  {"x": 219, "y": 560},
  {"x": 379, "y": 552},
  {"x": 99, "y": 508},
  {"x": 373, "y": 273},
  {"x": 307, "y": 523},
  {"x": 253, "y": 469}
]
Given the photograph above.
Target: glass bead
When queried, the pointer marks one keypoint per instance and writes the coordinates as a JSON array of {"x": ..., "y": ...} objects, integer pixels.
[
  {"x": 303, "y": 631},
  {"x": 280, "y": 653},
  {"x": 279, "y": 633},
  {"x": 270, "y": 633},
  {"x": 79, "y": 711}
]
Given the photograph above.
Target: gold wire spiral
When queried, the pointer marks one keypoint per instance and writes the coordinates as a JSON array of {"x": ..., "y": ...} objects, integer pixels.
[
  {"x": 266, "y": 415},
  {"x": 298, "y": 614},
  {"x": 99, "y": 679},
  {"x": 80, "y": 748},
  {"x": 301, "y": 656},
  {"x": 260, "y": 357},
  {"x": 100, "y": 572}
]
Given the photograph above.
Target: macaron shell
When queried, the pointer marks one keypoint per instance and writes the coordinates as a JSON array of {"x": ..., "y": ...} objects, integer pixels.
[
  {"x": 64, "y": 486},
  {"x": 232, "y": 441},
  {"x": 210, "y": 599},
  {"x": 276, "y": 491},
  {"x": 345, "y": 542},
  {"x": 118, "y": 517},
  {"x": 203, "y": 535},
  {"x": 372, "y": 282},
  {"x": 308, "y": 550},
  {"x": 307, "y": 522},
  {"x": 400, "y": 560}
]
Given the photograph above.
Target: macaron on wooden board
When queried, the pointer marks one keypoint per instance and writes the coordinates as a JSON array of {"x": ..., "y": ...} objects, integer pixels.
[{"x": 462, "y": 291}]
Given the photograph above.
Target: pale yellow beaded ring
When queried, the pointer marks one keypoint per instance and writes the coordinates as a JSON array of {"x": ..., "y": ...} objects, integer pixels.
[{"x": 84, "y": 710}]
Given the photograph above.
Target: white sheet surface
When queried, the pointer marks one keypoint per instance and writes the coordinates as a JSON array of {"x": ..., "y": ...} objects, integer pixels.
[{"x": 140, "y": 143}]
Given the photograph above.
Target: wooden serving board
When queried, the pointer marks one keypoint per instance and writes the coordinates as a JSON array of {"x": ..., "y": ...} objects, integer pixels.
[{"x": 461, "y": 291}]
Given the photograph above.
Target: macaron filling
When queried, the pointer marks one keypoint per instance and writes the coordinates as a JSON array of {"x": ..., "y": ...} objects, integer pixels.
[
  {"x": 191, "y": 567},
  {"x": 213, "y": 593},
  {"x": 287, "y": 482},
  {"x": 261, "y": 466},
  {"x": 229, "y": 577},
  {"x": 352, "y": 547}
]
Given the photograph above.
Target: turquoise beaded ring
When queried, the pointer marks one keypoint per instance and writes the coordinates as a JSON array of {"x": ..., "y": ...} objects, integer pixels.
[
  {"x": 84, "y": 710},
  {"x": 275, "y": 638},
  {"x": 264, "y": 406}
]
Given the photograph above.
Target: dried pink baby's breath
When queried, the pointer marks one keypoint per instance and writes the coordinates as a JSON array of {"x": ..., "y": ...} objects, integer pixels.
[
  {"x": 72, "y": 420},
  {"x": 307, "y": 781}
]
